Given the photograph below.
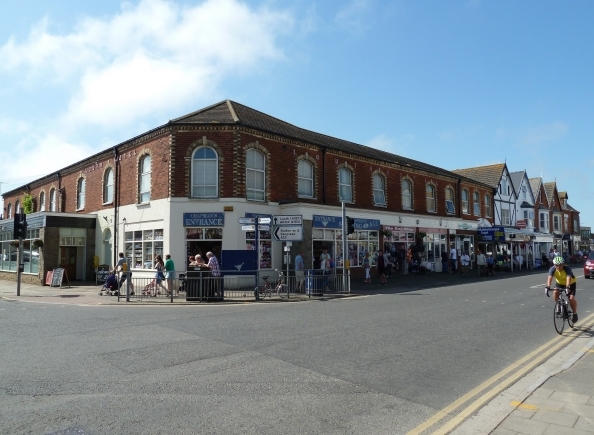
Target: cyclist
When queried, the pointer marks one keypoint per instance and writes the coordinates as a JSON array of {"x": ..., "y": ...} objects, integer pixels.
[{"x": 564, "y": 278}]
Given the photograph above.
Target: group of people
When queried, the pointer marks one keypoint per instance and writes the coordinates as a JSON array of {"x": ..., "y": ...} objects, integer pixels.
[{"x": 164, "y": 271}]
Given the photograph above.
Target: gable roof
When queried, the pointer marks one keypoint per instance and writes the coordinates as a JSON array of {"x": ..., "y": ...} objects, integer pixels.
[
  {"x": 535, "y": 185},
  {"x": 550, "y": 191},
  {"x": 231, "y": 112},
  {"x": 516, "y": 179},
  {"x": 489, "y": 175}
]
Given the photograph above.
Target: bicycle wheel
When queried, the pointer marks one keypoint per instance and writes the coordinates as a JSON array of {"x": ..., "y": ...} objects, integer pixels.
[
  {"x": 266, "y": 292},
  {"x": 569, "y": 316},
  {"x": 282, "y": 290},
  {"x": 559, "y": 320}
]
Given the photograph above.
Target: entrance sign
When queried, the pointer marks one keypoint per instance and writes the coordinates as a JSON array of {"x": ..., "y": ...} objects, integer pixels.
[
  {"x": 244, "y": 220},
  {"x": 288, "y": 233},
  {"x": 287, "y": 220},
  {"x": 204, "y": 219}
]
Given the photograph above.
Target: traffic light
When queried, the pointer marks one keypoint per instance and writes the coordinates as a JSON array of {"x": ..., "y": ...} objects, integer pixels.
[
  {"x": 350, "y": 225},
  {"x": 20, "y": 226}
]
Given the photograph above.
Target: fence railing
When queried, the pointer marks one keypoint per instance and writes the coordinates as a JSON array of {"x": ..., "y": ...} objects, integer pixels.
[{"x": 201, "y": 286}]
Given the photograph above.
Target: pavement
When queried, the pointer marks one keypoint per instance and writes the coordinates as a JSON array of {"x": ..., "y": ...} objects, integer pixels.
[{"x": 557, "y": 397}]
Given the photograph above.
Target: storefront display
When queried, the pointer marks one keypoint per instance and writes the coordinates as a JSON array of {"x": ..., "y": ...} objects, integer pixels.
[
  {"x": 142, "y": 247},
  {"x": 397, "y": 241}
]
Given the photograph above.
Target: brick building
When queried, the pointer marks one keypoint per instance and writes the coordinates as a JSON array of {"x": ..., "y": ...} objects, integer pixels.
[{"x": 180, "y": 189}]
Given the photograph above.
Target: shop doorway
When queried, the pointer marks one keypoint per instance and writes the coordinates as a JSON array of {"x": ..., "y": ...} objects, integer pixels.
[
  {"x": 202, "y": 247},
  {"x": 68, "y": 256}
]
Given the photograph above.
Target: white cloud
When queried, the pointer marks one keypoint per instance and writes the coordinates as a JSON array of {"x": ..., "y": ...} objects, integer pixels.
[
  {"x": 354, "y": 14},
  {"x": 391, "y": 145},
  {"x": 148, "y": 58}
]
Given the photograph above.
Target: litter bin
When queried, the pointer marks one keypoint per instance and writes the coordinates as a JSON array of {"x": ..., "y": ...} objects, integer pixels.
[{"x": 197, "y": 283}]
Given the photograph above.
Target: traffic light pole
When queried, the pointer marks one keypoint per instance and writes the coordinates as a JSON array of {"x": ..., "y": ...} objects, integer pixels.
[{"x": 19, "y": 266}]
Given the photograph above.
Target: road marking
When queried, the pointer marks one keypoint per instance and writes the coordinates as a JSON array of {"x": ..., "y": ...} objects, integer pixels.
[
  {"x": 518, "y": 369},
  {"x": 521, "y": 405}
]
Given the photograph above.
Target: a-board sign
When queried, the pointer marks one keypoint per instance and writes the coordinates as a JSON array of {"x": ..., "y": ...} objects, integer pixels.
[
  {"x": 102, "y": 272},
  {"x": 48, "y": 277},
  {"x": 57, "y": 277}
]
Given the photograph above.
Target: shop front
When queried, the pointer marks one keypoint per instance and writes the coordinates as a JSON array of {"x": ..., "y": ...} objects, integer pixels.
[
  {"x": 203, "y": 233},
  {"x": 397, "y": 242},
  {"x": 435, "y": 242}
]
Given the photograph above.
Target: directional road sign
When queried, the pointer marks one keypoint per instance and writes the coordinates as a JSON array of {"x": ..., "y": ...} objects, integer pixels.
[
  {"x": 245, "y": 220},
  {"x": 248, "y": 227},
  {"x": 287, "y": 220},
  {"x": 263, "y": 220},
  {"x": 288, "y": 233},
  {"x": 264, "y": 227}
]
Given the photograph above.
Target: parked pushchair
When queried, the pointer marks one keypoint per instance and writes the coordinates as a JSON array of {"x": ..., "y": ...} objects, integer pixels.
[{"x": 110, "y": 287}]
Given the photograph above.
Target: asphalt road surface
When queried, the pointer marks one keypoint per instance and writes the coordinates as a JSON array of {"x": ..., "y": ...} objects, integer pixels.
[{"x": 378, "y": 364}]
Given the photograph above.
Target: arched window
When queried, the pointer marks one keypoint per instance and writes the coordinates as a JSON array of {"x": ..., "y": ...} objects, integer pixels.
[
  {"x": 52, "y": 205},
  {"x": 305, "y": 179},
  {"x": 430, "y": 195},
  {"x": 80, "y": 200},
  {"x": 108, "y": 187},
  {"x": 449, "y": 197},
  {"x": 465, "y": 201},
  {"x": 42, "y": 201},
  {"x": 477, "y": 204},
  {"x": 144, "y": 188},
  {"x": 406, "y": 195},
  {"x": 345, "y": 185},
  {"x": 379, "y": 190},
  {"x": 255, "y": 175},
  {"x": 9, "y": 211},
  {"x": 17, "y": 207},
  {"x": 205, "y": 173}
]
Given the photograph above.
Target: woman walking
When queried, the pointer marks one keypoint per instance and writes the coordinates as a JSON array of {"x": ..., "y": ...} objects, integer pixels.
[{"x": 367, "y": 267}]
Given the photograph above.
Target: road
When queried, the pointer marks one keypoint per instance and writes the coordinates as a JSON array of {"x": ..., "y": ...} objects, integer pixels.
[{"x": 377, "y": 364}]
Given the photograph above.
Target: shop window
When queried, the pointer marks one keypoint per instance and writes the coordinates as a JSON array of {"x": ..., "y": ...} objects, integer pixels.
[
  {"x": 108, "y": 187},
  {"x": 200, "y": 240},
  {"x": 477, "y": 204},
  {"x": 430, "y": 195},
  {"x": 379, "y": 190},
  {"x": 142, "y": 246},
  {"x": 345, "y": 185},
  {"x": 264, "y": 247},
  {"x": 255, "y": 175},
  {"x": 80, "y": 191},
  {"x": 465, "y": 201},
  {"x": 488, "y": 206},
  {"x": 305, "y": 179},
  {"x": 205, "y": 173},
  {"x": 358, "y": 243},
  {"x": 406, "y": 194},
  {"x": 9, "y": 253},
  {"x": 144, "y": 194}
]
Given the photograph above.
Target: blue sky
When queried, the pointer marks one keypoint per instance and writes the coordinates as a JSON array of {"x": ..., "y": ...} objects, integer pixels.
[{"x": 452, "y": 83}]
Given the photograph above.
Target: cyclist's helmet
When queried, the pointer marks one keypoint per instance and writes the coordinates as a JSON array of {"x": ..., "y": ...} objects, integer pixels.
[{"x": 558, "y": 260}]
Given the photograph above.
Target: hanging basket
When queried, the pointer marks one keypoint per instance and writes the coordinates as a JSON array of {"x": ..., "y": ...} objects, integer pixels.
[
  {"x": 14, "y": 243},
  {"x": 38, "y": 243},
  {"x": 387, "y": 233}
]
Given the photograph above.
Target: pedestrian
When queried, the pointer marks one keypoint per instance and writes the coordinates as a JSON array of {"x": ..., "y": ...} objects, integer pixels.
[
  {"x": 169, "y": 273},
  {"x": 453, "y": 258},
  {"x": 123, "y": 267},
  {"x": 444, "y": 261},
  {"x": 367, "y": 267},
  {"x": 481, "y": 262},
  {"x": 382, "y": 261},
  {"x": 160, "y": 274},
  {"x": 465, "y": 261},
  {"x": 215, "y": 271},
  {"x": 299, "y": 272},
  {"x": 325, "y": 266}
]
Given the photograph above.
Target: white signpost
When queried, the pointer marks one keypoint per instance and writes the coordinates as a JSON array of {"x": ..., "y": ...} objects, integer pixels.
[
  {"x": 244, "y": 220},
  {"x": 288, "y": 233},
  {"x": 287, "y": 220},
  {"x": 248, "y": 227}
]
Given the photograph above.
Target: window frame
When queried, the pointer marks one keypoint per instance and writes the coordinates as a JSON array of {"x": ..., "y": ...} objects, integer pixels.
[
  {"x": 42, "y": 201},
  {"x": 430, "y": 198},
  {"x": 145, "y": 179},
  {"x": 106, "y": 199},
  {"x": 255, "y": 193},
  {"x": 52, "y": 199},
  {"x": 488, "y": 206},
  {"x": 449, "y": 201},
  {"x": 212, "y": 163},
  {"x": 406, "y": 197},
  {"x": 81, "y": 187},
  {"x": 465, "y": 203},
  {"x": 505, "y": 217},
  {"x": 9, "y": 211},
  {"x": 302, "y": 179},
  {"x": 345, "y": 186},
  {"x": 476, "y": 203},
  {"x": 379, "y": 193}
]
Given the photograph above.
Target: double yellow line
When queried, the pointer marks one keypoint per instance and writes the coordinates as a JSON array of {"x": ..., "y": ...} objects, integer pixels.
[{"x": 519, "y": 369}]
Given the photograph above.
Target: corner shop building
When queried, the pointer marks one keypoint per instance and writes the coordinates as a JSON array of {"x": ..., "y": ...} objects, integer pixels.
[{"x": 182, "y": 187}]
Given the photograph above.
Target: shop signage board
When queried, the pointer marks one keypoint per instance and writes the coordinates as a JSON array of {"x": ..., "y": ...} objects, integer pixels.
[
  {"x": 320, "y": 221},
  {"x": 492, "y": 234},
  {"x": 204, "y": 219},
  {"x": 288, "y": 233}
]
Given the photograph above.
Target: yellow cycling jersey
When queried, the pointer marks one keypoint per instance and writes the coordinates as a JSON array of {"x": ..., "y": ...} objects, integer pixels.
[{"x": 561, "y": 275}]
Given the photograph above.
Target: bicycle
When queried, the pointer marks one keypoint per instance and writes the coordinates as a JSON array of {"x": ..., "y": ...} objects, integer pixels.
[
  {"x": 562, "y": 312},
  {"x": 263, "y": 290},
  {"x": 282, "y": 290}
]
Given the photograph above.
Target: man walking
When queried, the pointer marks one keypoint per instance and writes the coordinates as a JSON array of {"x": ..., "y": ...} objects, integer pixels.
[
  {"x": 453, "y": 258},
  {"x": 299, "y": 272},
  {"x": 215, "y": 272},
  {"x": 481, "y": 262}
]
